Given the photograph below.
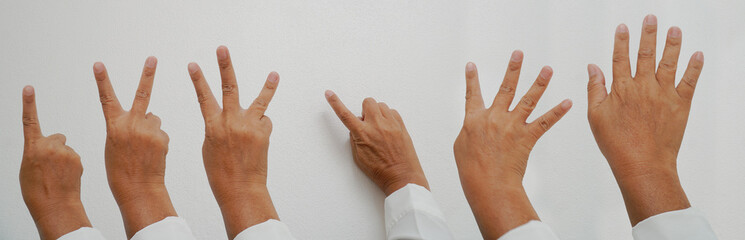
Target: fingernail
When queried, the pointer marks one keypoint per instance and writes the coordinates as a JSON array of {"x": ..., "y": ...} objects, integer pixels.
[
  {"x": 546, "y": 72},
  {"x": 329, "y": 93},
  {"x": 150, "y": 62},
  {"x": 98, "y": 67},
  {"x": 273, "y": 77},
  {"x": 517, "y": 56},
  {"x": 566, "y": 104},
  {"x": 193, "y": 68},
  {"x": 222, "y": 52},
  {"x": 674, "y": 32},
  {"x": 470, "y": 67},
  {"x": 28, "y": 90},
  {"x": 591, "y": 70},
  {"x": 622, "y": 29},
  {"x": 699, "y": 56},
  {"x": 650, "y": 20}
]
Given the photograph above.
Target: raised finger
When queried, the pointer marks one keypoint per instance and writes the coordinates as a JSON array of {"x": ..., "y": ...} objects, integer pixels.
[
  {"x": 669, "y": 63},
  {"x": 528, "y": 102},
  {"x": 142, "y": 97},
  {"x": 507, "y": 90},
  {"x": 206, "y": 99},
  {"x": 474, "y": 100},
  {"x": 31, "y": 128},
  {"x": 347, "y": 117},
  {"x": 261, "y": 103},
  {"x": 645, "y": 62},
  {"x": 230, "y": 99},
  {"x": 109, "y": 102},
  {"x": 621, "y": 63},
  {"x": 547, "y": 120}
]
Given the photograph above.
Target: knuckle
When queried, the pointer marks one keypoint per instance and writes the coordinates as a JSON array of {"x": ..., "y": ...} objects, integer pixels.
[
  {"x": 201, "y": 98},
  {"x": 142, "y": 94},
  {"x": 228, "y": 88},
  {"x": 225, "y": 64},
  {"x": 29, "y": 121},
  {"x": 646, "y": 53},
  {"x": 650, "y": 28},
  {"x": 261, "y": 103},
  {"x": 545, "y": 124},
  {"x": 690, "y": 81},
  {"x": 668, "y": 65},
  {"x": 619, "y": 57},
  {"x": 106, "y": 99},
  {"x": 528, "y": 102},
  {"x": 504, "y": 89}
]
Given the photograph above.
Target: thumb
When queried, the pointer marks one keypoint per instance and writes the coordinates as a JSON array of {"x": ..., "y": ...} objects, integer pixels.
[{"x": 596, "y": 91}]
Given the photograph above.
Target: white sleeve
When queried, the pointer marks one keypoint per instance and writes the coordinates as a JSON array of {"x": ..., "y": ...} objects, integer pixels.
[
  {"x": 686, "y": 224},
  {"x": 412, "y": 213},
  {"x": 269, "y": 230},
  {"x": 170, "y": 228},
  {"x": 533, "y": 230},
  {"x": 83, "y": 233}
]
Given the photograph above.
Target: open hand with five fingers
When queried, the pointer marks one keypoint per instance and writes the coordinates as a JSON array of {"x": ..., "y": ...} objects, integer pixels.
[
  {"x": 135, "y": 152},
  {"x": 639, "y": 125},
  {"x": 50, "y": 177},
  {"x": 235, "y": 148},
  {"x": 381, "y": 146},
  {"x": 493, "y": 146}
]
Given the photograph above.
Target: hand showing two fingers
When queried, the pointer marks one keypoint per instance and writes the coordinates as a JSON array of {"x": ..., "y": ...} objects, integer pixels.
[
  {"x": 50, "y": 177},
  {"x": 492, "y": 149},
  {"x": 135, "y": 153},
  {"x": 235, "y": 148},
  {"x": 381, "y": 146}
]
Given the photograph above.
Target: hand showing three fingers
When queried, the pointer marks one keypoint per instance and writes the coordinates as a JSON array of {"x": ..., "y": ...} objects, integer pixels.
[
  {"x": 235, "y": 147},
  {"x": 639, "y": 125},
  {"x": 493, "y": 146},
  {"x": 135, "y": 153},
  {"x": 50, "y": 177},
  {"x": 381, "y": 146}
]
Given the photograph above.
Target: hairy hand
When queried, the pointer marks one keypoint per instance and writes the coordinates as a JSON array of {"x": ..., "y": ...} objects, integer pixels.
[
  {"x": 50, "y": 177},
  {"x": 235, "y": 147},
  {"x": 381, "y": 146},
  {"x": 493, "y": 146},
  {"x": 135, "y": 153},
  {"x": 639, "y": 125}
]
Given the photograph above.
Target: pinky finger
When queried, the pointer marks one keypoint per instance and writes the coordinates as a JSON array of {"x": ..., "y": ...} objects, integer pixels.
[
  {"x": 541, "y": 125},
  {"x": 687, "y": 85}
]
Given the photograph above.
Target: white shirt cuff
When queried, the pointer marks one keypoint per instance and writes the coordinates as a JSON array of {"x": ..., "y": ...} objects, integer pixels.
[
  {"x": 83, "y": 233},
  {"x": 270, "y": 230},
  {"x": 686, "y": 224},
  {"x": 533, "y": 230},
  {"x": 170, "y": 228},
  {"x": 412, "y": 213}
]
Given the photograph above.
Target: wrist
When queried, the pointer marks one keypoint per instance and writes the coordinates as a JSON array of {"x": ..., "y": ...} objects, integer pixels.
[
  {"x": 60, "y": 218},
  {"x": 652, "y": 191},
  {"x": 394, "y": 186},
  {"x": 244, "y": 207}
]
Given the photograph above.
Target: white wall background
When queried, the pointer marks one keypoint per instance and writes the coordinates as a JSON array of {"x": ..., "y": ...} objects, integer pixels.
[{"x": 410, "y": 54}]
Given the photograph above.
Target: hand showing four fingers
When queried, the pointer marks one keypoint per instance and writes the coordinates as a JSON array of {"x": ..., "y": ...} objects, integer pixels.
[
  {"x": 135, "y": 153},
  {"x": 235, "y": 148},
  {"x": 381, "y": 146},
  {"x": 639, "y": 125},
  {"x": 50, "y": 177},
  {"x": 493, "y": 146}
]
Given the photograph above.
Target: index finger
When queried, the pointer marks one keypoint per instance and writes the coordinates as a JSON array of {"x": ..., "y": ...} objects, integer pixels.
[
  {"x": 109, "y": 102},
  {"x": 31, "y": 129},
  {"x": 348, "y": 118}
]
